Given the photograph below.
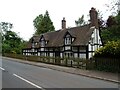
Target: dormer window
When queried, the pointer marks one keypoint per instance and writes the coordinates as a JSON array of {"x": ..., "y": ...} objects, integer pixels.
[
  {"x": 67, "y": 40},
  {"x": 43, "y": 42},
  {"x": 33, "y": 45}
]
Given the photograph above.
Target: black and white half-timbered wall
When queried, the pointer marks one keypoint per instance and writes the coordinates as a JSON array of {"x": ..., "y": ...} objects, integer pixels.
[{"x": 81, "y": 41}]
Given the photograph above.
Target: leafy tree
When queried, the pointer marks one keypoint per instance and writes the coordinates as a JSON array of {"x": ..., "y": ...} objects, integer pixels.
[
  {"x": 5, "y": 26},
  {"x": 111, "y": 21},
  {"x": 112, "y": 31},
  {"x": 37, "y": 23},
  {"x": 114, "y": 6},
  {"x": 43, "y": 24},
  {"x": 80, "y": 21},
  {"x": 111, "y": 34},
  {"x": 118, "y": 18},
  {"x": 11, "y": 42}
]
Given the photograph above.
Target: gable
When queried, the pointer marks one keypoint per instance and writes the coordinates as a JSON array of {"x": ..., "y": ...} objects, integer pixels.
[
  {"x": 95, "y": 37},
  {"x": 42, "y": 38},
  {"x": 67, "y": 34}
]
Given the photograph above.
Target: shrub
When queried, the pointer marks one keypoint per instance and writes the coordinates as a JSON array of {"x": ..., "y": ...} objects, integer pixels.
[{"x": 111, "y": 49}]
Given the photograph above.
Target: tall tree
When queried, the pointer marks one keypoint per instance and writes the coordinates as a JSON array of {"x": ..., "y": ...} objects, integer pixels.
[
  {"x": 11, "y": 42},
  {"x": 37, "y": 24},
  {"x": 43, "y": 24},
  {"x": 118, "y": 18},
  {"x": 111, "y": 21},
  {"x": 5, "y": 26},
  {"x": 112, "y": 31},
  {"x": 80, "y": 21}
]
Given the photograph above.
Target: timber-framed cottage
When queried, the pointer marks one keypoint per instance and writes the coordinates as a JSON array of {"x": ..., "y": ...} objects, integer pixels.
[{"x": 81, "y": 41}]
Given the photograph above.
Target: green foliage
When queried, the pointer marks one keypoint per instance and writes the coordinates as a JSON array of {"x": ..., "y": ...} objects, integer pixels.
[
  {"x": 43, "y": 24},
  {"x": 110, "y": 50},
  {"x": 11, "y": 42},
  {"x": 118, "y": 18},
  {"x": 112, "y": 31},
  {"x": 37, "y": 24},
  {"x": 5, "y": 26},
  {"x": 111, "y": 34},
  {"x": 80, "y": 21},
  {"x": 111, "y": 21}
]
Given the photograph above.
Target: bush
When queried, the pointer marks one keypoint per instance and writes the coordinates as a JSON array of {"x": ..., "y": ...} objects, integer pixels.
[{"x": 110, "y": 50}]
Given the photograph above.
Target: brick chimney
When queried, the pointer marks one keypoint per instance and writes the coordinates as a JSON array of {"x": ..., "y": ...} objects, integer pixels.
[
  {"x": 93, "y": 17},
  {"x": 63, "y": 24}
]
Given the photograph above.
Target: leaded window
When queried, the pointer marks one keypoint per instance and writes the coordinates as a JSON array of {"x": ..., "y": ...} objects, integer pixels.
[
  {"x": 68, "y": 40},
  {"x": 43, "y": 42}
]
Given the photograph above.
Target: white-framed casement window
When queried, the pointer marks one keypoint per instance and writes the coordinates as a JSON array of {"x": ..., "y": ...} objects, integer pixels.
[
  {"x": 67, "y": 47},
  {"x": 33, "y": 45},
  {"x": 43, "y": 42},
  {"x": 68, "y": 40},
  {"x": 68, "y": 54}
]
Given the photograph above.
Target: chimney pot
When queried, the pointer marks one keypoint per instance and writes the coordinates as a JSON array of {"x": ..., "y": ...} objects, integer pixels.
[
  {"x": 63, "y": 24},
  {"x": 93, "y": 17}
]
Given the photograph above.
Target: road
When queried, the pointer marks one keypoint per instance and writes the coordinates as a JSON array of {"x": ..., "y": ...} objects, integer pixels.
[{"x": 19, "y": 75}]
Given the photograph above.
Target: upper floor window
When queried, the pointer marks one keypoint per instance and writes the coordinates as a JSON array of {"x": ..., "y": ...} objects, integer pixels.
[
  {"x": 67, "y": 41},
  {"x": 43, "y": 42},
  {"x": 33, "y": 45}
]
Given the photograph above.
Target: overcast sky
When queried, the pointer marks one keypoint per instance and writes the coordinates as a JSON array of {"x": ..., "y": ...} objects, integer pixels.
[{"x": 22, "y": 12}]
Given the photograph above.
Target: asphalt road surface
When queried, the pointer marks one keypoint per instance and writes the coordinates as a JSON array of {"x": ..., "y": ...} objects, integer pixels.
[{"x": 19, "y": 75}]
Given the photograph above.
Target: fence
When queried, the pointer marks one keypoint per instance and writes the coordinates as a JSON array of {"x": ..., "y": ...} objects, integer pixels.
[
  {"x": 102, "y": 64},
  {"x": 107, "y": 64},
  {"x": 69, "y": 62}
]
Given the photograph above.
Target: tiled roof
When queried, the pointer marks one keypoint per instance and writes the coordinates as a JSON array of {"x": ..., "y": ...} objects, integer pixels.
[{"x": 55, "y": 39}]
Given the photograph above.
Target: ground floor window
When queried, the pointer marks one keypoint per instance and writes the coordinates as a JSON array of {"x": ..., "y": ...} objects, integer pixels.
[
  {"x": 75, "y": 55},
  {"x": 47, "y": 54},
  {"x": 42, "y": 54},
  {"x": 68, "y": 54},
  {"x": 81, "y": 55}
]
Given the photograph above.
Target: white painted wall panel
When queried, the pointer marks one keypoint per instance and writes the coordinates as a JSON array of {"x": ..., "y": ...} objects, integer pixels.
[{"x": 95, "y": 42}]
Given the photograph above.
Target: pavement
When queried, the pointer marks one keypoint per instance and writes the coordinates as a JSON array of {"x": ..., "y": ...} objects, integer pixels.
[{"x": 107, "y": 76}]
